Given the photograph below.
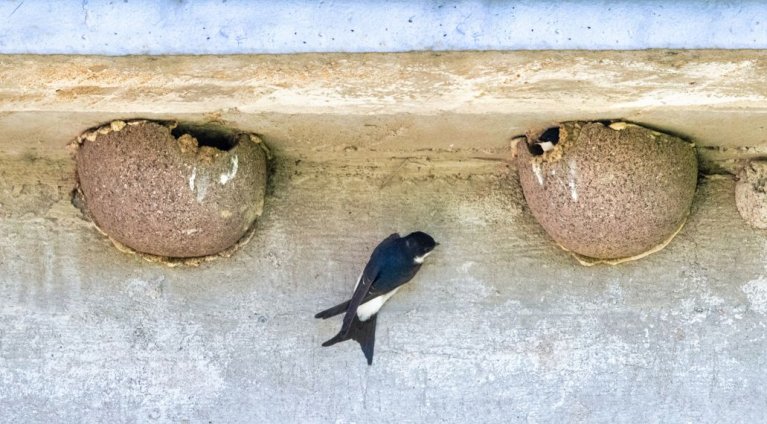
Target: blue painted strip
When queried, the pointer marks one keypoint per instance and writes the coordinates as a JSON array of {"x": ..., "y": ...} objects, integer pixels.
[{"x": 122, "y": 27}]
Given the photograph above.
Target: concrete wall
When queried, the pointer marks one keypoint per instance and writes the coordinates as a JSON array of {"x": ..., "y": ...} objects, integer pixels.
[{"x": 499, "y": 326}]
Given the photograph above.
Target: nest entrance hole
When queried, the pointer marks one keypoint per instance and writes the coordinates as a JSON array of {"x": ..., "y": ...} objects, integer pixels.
[{"x": 211, "y": 135}]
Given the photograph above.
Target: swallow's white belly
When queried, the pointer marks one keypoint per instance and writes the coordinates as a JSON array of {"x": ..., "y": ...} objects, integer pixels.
[{"x": 372, "y": 306}]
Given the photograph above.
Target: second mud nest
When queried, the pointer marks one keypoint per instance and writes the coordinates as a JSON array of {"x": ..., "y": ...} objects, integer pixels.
[{"x": 608, "y": 191}]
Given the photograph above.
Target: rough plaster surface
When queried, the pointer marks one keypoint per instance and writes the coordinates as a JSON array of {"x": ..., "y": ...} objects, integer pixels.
[
  {"x": 499, "y": 325},
  {"x": 262, "y": 26},
  {"x": 320, "y": 107}
]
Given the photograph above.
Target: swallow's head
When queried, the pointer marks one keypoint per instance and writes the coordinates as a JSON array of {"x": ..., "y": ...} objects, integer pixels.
[{"x": 420, "y": 245}]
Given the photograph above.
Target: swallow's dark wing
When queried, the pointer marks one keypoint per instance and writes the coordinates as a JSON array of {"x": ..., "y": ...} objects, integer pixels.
[
  {"x": 359, "y": 295},
  {"x": 369, "y": 276},
  {"x": 343, "y": 307}
]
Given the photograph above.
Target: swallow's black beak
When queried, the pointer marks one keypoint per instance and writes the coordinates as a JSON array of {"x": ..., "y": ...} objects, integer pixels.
[{"x": 436, "y": 244}]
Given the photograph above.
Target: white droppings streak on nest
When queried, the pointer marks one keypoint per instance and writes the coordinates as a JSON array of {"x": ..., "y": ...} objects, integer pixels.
[
  {"x": 538, "y": 173},
  {"x": 199, "y": 188},
  {"x": 192, "y": 178},
  {"x": 226, "y": 177},
  {"x": 202, "y": 188},
  {"x": 571, "y": 180}
]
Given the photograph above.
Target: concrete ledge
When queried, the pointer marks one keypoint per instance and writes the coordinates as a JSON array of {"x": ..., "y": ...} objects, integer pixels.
[{"x": 324, "y": 106}]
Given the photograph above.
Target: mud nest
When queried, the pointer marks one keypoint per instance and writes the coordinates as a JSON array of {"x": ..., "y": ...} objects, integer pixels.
[
  {"x": 608, "y": 191},
  {"x": 171, "y": 191}
]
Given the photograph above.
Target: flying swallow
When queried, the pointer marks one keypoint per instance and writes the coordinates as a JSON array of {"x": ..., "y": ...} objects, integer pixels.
[{"x": 394, "y": 262}]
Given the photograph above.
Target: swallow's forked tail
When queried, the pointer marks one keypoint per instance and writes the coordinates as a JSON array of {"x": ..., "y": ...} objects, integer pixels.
[
  {"x": 363, "y": 332},
  {"x": 335, "y": 310}
]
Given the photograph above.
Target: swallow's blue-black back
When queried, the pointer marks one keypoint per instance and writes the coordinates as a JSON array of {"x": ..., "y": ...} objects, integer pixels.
[
  {"x": 391, "y": 265},
  {"x": 394, "y": 262}
]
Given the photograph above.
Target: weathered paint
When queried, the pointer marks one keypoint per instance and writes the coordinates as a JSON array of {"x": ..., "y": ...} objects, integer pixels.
[{"x": 299, "y": 26}]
